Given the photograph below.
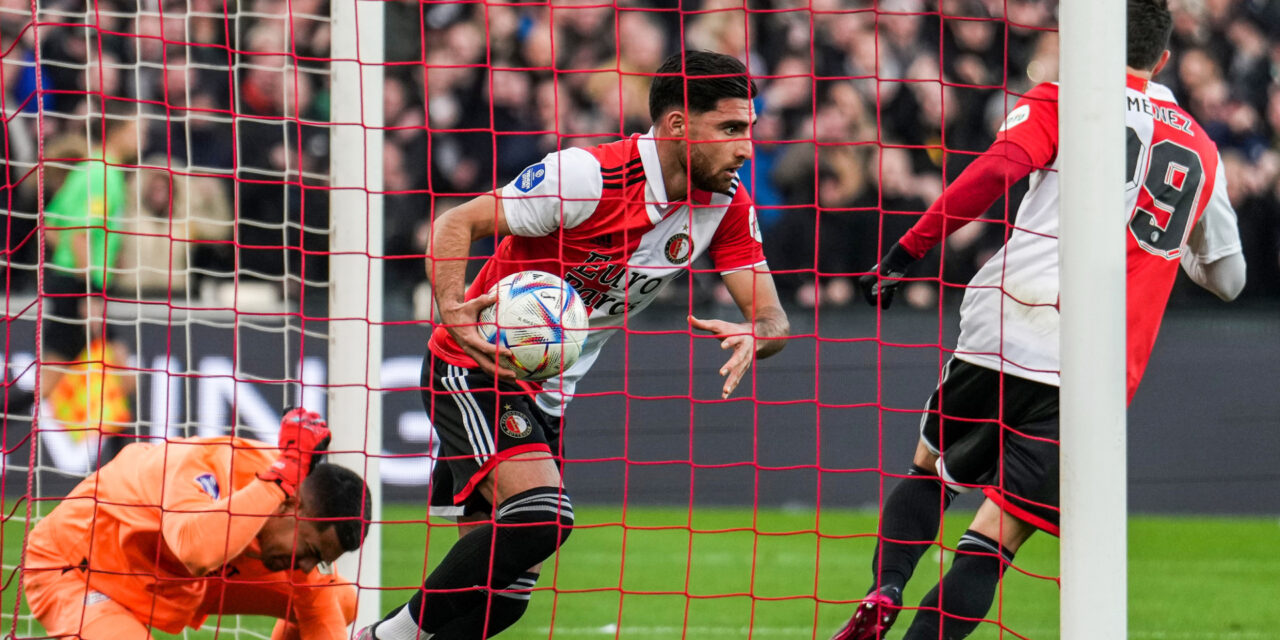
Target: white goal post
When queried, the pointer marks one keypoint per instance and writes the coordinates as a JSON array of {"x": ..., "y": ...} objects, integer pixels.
[
  {"x": 1092, "y": 253},
  {"x": 355, "y": 268}
]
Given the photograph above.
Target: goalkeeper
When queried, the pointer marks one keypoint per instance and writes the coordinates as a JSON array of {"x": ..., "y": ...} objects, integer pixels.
[{"x": 166, "y": 535}]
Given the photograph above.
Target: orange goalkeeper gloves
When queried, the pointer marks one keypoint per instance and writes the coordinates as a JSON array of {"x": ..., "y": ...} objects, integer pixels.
[{"x": 304, "y": 437}]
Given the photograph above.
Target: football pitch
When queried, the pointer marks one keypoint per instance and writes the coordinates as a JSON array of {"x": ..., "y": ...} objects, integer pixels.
[{"x": 735, "y": 573}]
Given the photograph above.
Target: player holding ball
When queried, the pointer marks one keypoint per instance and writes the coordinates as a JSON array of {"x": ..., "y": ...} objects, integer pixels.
[{"x": 617, "y": 222}]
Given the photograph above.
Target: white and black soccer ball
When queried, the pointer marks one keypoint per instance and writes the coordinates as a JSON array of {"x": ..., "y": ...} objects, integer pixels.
[{"x": 541, "y": 319}]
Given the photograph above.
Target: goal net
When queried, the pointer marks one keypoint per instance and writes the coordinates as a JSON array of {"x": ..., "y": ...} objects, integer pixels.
[{"x": 259, "y": 176}]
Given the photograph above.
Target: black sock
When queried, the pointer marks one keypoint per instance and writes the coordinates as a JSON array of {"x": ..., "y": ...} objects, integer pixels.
[
  {"x": 908, "y": 525},
  {"x": 965, "y": 592},
  {"x": 529, "y": 528},
  {"x": 494, "y": 611}
]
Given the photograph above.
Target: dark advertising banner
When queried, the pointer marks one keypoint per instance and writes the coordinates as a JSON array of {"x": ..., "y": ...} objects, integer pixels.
[{"x": 833, "y": 416}]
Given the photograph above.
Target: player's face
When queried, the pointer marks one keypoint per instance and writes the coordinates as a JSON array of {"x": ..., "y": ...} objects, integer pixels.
[
  {"x": 297, "y": 543},
  {"x": 719, "y": 142}
]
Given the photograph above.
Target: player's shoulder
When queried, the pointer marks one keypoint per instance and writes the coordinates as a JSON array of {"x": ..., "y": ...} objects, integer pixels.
[
  {"x": 614, "y": 156},
  {"x": 1045, "y": 91},
  {"x": 1175, "y": 116},
  {"x": 1040, "y": 104},
  {"x": 216, "y": 451},
  {"x": 571, "y": 172},
  {"x": 574, "y": 160}
]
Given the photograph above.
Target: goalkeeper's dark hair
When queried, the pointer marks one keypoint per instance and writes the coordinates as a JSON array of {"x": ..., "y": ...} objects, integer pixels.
[
  {"x": 710, "y": 77},
  {"x": 1149, "y": 27},
  {"x": 335, "y": 497}
]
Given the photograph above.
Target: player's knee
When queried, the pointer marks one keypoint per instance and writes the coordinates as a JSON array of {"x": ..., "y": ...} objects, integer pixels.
[
  {"x": 542, "y": 518},
  {"x": 951, "y": 483},
  {"x": 918, "y": 471}
]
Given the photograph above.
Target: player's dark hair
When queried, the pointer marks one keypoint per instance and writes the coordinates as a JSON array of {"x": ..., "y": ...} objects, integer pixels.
[
  {"x": 1149, "y": 27},
  {"x": 335, "y": 497},
  {"x": 710, "y": 77}
]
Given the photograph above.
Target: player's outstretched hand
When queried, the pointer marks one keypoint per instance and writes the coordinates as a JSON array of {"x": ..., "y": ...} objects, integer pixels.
[
  {"x": 879, "y": 286},
  {"x": 461, "y": 322},
  {"x": 732, "y": 335},
  {"x": 304, "y": 437}
]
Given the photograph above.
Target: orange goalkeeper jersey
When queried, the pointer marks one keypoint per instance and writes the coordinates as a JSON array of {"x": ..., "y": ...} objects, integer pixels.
[{"x": 160, "y": 522}]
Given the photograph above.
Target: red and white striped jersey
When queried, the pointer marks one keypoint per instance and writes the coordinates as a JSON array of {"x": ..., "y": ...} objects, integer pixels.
[
  {"x": 600, "y": 219},
  {"x": 1175, "y": 184}
]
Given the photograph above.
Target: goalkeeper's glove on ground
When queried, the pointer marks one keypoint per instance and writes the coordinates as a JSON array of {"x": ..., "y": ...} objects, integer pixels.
[
  {"x": 885, "y": 278},
  {"x": 304, "y": 437}
]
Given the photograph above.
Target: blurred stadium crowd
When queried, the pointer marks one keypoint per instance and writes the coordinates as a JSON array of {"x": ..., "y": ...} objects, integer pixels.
[{"x": 866, "y": 110}]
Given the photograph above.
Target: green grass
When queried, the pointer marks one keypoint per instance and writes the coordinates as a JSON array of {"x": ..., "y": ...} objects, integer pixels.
[{"x": 1189, "y": 578}]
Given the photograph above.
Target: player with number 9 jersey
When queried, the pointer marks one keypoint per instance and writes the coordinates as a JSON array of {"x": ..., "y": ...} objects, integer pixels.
[
  {"x": 992, "y": 422},
  {"x": 1177, "y": 213}
]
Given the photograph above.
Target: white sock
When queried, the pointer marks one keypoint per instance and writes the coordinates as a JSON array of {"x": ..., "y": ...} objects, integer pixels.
[{"x": 400, "y": 627}]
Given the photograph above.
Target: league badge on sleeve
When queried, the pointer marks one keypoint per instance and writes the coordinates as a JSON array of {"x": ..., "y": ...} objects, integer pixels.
[
  {"x": 531, "y": 177},
  {"x": 1016, "y": 117},
  {"x": 208, "y": 483}
]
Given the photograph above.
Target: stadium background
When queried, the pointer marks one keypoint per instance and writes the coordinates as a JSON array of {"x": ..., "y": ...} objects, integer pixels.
[
  {"x": 855, "y": 130},
  {"x": 878, "y": 110}
]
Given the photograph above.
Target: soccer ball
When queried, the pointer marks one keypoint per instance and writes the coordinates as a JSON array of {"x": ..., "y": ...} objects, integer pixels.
[{"x": 541, "y": 319}]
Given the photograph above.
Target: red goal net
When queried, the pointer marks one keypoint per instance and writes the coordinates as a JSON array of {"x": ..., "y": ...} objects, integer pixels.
[{"x": 172, "y": 206}]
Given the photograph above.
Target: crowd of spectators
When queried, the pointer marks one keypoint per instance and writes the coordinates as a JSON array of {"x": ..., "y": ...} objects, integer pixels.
[
  {"x": 867, "y": 109},
  {"x": 228, "y": 168},
  {"x": 864, "y": 113}
]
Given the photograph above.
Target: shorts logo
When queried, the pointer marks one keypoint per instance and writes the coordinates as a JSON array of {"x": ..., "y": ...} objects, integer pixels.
[
  {"x": 1016, "y": 117},
  {"x": 531, "y": 177},
  {"x": 94, "y": 597},
  {"x": 208, "y": 483},
  {"x": 678, "y": 248},
  {"x": 515, "y": 424}
]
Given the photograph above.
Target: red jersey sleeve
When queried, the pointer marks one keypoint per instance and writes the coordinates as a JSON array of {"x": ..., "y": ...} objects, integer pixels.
[
  {"x": 737, "y": 244},
  {"x": 1033, "y": 125}
]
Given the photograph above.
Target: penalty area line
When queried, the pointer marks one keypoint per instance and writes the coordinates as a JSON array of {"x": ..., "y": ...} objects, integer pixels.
[{"x": 691, "y": 631}]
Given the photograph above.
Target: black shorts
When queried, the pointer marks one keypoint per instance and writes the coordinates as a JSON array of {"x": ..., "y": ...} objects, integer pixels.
[
  {"x": 998, "y": 432},
  {"x": 480, "y": 422}
]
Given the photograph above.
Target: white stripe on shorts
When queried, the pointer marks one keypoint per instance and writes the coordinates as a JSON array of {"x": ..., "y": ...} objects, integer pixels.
[{"x": 473, "y": 421}]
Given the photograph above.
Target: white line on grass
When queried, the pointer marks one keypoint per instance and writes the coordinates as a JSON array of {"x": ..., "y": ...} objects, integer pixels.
[
  {"x": 700, "y": 631},
  {"x": 691, "y": 631}
]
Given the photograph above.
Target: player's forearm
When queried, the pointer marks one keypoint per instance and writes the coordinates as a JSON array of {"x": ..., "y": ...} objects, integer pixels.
[
  {"x": 770, "y": 327},
  {"x": 447, "y": 253},
  {"x": 1224, "y": 277},
  {"x": 206, "y": 537},
  {"x": 449, "y": 246},
  {"x": 969, "y": 196}
]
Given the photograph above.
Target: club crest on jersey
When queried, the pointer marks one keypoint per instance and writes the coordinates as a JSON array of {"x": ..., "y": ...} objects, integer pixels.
[
  {"x": 531, "y": 177},
  {"x": 1016, "y": 117},
  {"x": 515, "y": 424},
  {"x": 208, "y": 483},
  {"x": 679, "y": 248}
]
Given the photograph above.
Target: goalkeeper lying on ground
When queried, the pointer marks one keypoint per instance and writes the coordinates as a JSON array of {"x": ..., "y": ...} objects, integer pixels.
[{"x": 166, "y": 535}]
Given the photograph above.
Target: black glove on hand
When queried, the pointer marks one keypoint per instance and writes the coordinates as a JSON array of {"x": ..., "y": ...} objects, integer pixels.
[{"x": 879, "y": 285}]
